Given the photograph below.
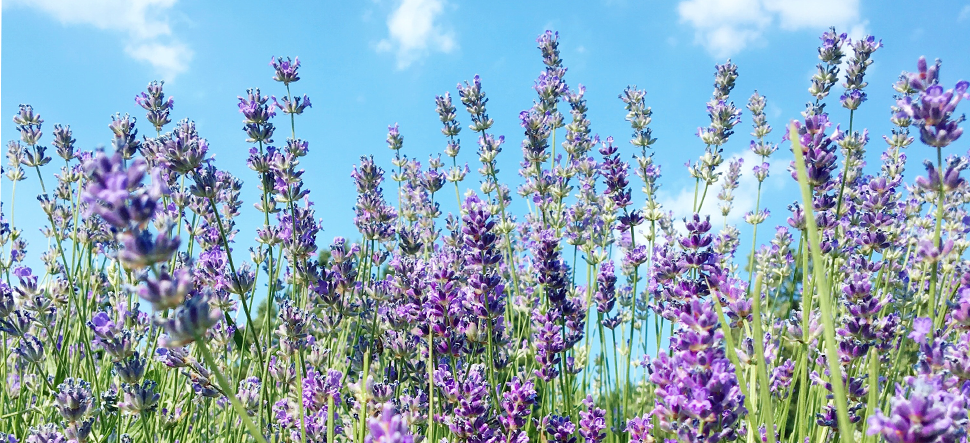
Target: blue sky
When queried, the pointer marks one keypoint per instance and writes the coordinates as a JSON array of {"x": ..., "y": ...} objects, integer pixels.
[{"x": 370, "y": 64}]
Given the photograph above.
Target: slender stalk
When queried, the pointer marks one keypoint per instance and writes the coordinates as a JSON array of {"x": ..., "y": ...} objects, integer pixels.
[
  {"x": 228, "y": 391},
  {"x": 767, "y": 415},
  {"x": 431, "y": 428},
  {"x": 934, "y": 273},
  {"x": 235, "y": 278},
  {"x": 803, "y": 386},
  {"x": 731, "y": 352},
  {"x": 846, "y": 430}
]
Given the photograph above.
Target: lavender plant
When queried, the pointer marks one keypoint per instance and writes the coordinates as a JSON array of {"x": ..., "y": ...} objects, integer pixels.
[{"x": 488, "y": 325}]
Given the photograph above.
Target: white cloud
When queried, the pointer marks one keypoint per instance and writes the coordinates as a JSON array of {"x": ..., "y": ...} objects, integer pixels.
[
  {"x": 964, "y": 13},
  {"x": 726, "y": 27},
  {"x": 414, "y": 31},
  {"x": 169, "y": 59},
  {"x": 145, "y": 25},
  {"x": 794, "y": 15},
  {"x": 745, "y": 196}
]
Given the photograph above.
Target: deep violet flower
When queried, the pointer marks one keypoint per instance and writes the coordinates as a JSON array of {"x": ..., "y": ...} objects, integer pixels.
[
  {"x": 388, "y": 428},
  {"x": 286, "y": 70},
  {"x": 155, "y": 103},
  {"x": 592, "y": 422},
  {"x": 922, "y": 411},
  {"x": 190, "y": 322}
]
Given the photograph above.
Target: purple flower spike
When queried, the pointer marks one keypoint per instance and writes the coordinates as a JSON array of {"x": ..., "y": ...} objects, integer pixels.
[
  {"x": 924, "y": 77},
  {"x": 30, "y": 349},
  {"x": 295, "y": 106},
  {"x": 922, "y": 411},
  {"x": 157, "y": 106},
  {"x": 639, "y": 429},
  {"x": 389, "y": 428},
  {"x": 140, "y": 398},
  {"x": 286, "y": 70},
  {"x": 256, "y": 114},
  {"x": 592, "y": 422},
  {"x": 548, "y": 43},
  {"x": 46, "y": 434},
  {"x": 74, "y": 400},
  {"x": 517, "y": 403},
  {"x": 167, "y": 290},
  {"x": 64, "y": 141},
  {"x": 190, "y": 322},
  {"x": 961, "y": 309},
  {"x": 183, "y": 151},
  {"x": 140, "y": 250},
  {"x": 29, "y": 124},
  {"x": 473, "y": 98},
  {"x": 932, "y": 112},
  {"x": 559, "y": 429},
  {"x": 116, "y": 193}
]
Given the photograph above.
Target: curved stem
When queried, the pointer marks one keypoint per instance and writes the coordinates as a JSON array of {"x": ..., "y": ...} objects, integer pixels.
[
  {"x": 934, "y": 273},
  {"x": 767, "y": 414},
  {"x": 228, "y": 391},
  {"x": 846, "y": 430}
]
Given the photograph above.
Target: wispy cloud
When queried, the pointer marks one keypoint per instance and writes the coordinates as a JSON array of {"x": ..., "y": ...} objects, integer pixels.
[
  {"x": 414, "y": 31},
  {"x": 964, "y": 14},
  {"x": 726, "y": 27},
  {"x": 144, "y": 24},
  {"x": 681, "y": 202}
]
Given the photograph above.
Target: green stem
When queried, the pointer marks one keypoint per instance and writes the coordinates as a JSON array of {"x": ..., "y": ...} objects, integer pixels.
[
  {"x": 934, "y": 274},
  {"x": 235, "y": 278},
  {"x": 767, "y": 415},
  {"x": 228, "y": 391},
  {"x": 732, "y": 355},
  {"x": 803, "y": 386},
  {"x": 846, "y": 430},
  {"x": 873, "y": 385}
]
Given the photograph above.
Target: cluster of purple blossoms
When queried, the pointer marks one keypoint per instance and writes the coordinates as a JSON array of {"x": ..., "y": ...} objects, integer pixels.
[
  {"x": 933, "y": 108},
  {"x": 153, "y": 101},
  {"x": 374, "y": 216},
  {"x": 860, "y": 60},
  {"x": 922, "y": 411},
  {"x": 517, "y": 404},
  {"x": 473, "y": 326},
  {"x": 467, "y": 397},
  {"x": 698, "y": 397}
]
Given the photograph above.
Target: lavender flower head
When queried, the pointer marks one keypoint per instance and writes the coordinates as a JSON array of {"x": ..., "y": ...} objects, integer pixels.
[
  {"x": 256, "y": 114},
  {"x": 47, "y": 433},
  {"x": 390, "y": 427},
  {"x": 517, "y": 403},
  {"x": 592, "y": 422},
  {"x": 922, "y": 411},
  {"x": 191, "y": 321},
  {"x": 29, "y": 124},
  {"x": 639, "y": 429},
  {"x": 126, "y": 136},
  {"x": 74, "y": 400},
  {"x": 559, "y": 429},
  {"x": 64, "y": 141},
  {"x": 115, "y": 192},
  {"x": 474, "y": 99},
  {"x": 155, "y": 103},
  {"x": 932, "y": 111},
  {"x": 286, "y": 70}
]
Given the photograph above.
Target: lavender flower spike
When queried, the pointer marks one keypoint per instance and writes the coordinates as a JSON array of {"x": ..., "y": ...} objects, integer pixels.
[
  {"x": 190, "y": 322},
  {"x": 922, "y": 411},
  {"x": 389, "y": 428}
]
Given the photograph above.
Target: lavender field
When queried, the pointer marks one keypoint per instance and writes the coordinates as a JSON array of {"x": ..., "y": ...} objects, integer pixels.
[{"x": 570, "y": 306}]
